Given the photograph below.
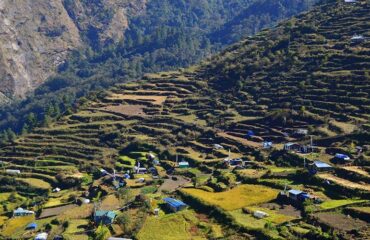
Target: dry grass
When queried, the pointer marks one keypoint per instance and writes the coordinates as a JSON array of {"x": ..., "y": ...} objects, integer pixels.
[
  {"x": 129, "y": 110},
  {"x": 357, "y": 169},
  {"x": 81, "y": 212},
  {"x": 344, "y": 182},
  {"x": 159, "y": 100},
  {"x": 239, "y": 197},
  {"x": 111, "y": 202},
  {"x": 34, "y": 182},
  {"x": 16, "y": 225}
]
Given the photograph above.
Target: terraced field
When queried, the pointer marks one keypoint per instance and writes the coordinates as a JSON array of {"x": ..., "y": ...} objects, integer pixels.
[{"x": 304, "y": 74}]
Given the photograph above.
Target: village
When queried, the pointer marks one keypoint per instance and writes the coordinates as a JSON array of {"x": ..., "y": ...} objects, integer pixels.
[{"x": 170, "y": 157}]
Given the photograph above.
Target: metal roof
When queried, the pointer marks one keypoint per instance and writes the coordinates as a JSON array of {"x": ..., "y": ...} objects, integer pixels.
[
  {"x": 320, "y": 164},
  {"x": 295, "y": 192},
  {"x": 343, "y": 156},
  {"x": 31, "y": 225},
  {"x": 174, "y": 202},
  {"x": 109, "y": 214}
]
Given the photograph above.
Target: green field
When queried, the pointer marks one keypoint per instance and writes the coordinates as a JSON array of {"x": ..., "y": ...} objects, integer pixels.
[{"x": 338, "y": 203}]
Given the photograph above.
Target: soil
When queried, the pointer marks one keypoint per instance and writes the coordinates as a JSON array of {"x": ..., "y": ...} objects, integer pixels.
[
  {"x": 128, "y": 110},
  {"x": 288, "y": 210},
  {"x": 340, "y": 221},
  {"x": 50, "y": 212},
  {"x": 171, "y": 185}
]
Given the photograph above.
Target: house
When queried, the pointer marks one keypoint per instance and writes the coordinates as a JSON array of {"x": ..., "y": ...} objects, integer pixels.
[
  {"x": 150, "y": 156},
  {"x": 174, "y": 204},
  {"x": 184, "y": 164},
  {"x": 309, "y": 149},
  {"x": 250, "y": 134},
  {"x": 297, "y": 195},
  {"x": 292, "y": 147},
  {"x": 357, "y": 38},
  {"x": 41, "y": 236},
  {"x": 236, "y": 162},
  {"x": 20, "y": 212},
  {"x": 13, "y": 171},
  {"x": 104, "y": 217},
  {"x": 140, "y": 170},
  {"x": 350, "y": 1},
  {"x": 301, "y": 131},
  {"x": 342, "y": 158},
  {"x": 56, "y": 189},
  {"x": 267, "y": 145},
  {"x": 318, "y": 166},
  {"x": 218, "y": 147},
  {"x": 31, "y": 226},
  {"x": 260, "y": 214}
]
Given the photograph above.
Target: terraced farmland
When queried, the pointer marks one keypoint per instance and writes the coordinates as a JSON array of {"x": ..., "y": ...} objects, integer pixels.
[{"x": 306, "y": 75}]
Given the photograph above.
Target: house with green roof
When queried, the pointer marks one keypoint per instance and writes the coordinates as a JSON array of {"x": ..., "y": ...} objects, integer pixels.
[{"x": 104, "y": 217}]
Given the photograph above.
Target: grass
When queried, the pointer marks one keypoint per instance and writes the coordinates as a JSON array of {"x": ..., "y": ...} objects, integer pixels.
[
  {"x": 338, "y": 203},
  {"x": 361, "y": 209},
  {"x": 176, "y": 226},
  {"x": 76, "y": 226},
  {"x": 16, "y": 225},
  {"x": 239, "y": 197},
  {"x": 81, "y": 212},
  {"x": 35, "y": 182}
]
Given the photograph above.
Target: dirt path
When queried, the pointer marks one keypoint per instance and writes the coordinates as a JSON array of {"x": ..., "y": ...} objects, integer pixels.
[{"x": 344, "y": 182}]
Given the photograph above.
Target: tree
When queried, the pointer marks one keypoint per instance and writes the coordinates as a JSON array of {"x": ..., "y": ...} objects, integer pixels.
[
  {"x": 124, "y": 221},
  {"x": 11, "y": 135},
  {"x": 125, "y": 196},
  {"x": 102, "y": 233}
]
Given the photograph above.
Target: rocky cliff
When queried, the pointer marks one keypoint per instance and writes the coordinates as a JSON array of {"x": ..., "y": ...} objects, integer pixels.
[{"x": 37, "y": 35}]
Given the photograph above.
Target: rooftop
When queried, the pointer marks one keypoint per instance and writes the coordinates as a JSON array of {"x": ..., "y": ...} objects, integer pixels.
[
  {"x": 320, "y": 164},
  {"x": 174, "y": 202}
]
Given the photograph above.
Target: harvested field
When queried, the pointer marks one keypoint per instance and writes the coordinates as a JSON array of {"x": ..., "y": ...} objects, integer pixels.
[
  {"x": 111, "y": 202},
  {"x": 340, "y": 221},
  {"x": 171, "y": 185},
  {"x": 34, "y": 182},
  {"x": 158, "y": 100},
  {"x": 80, "y": 212},
  {"x": 236, "y": 198},
  {"x": 128, "y": 110},
  {"x": 240, "y": 140},
  {"x": 50, "y": 212},
  {"x": 358, "y": 170},
  {"x": 344, "y": 182}
]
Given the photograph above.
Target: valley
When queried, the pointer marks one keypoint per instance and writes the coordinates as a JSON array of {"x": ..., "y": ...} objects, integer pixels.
[{"x": 267, "y": 140}]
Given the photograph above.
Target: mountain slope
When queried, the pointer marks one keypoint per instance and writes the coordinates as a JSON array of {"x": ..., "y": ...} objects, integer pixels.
[
  {"x": 184, "y": 113},
  {"x": 147, "y": 37},
  {"x": 37, "y": 36}
]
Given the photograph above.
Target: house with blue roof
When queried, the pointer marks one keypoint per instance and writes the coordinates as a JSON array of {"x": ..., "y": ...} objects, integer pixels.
[
  {"x": 298, "y": 195},
  {"x": 104, "y": 217},
  {"x": 342, "y": 158},
  {"x": 31, "y": 226},
  {"x": 174, "y": 204}
]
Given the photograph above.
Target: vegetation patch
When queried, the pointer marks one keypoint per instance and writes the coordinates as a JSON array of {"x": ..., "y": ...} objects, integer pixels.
[{"x": 236, "y": 198}]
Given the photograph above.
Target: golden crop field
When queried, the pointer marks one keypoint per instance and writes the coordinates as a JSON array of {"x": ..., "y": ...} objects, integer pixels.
[{"x": 236, "y": 198}]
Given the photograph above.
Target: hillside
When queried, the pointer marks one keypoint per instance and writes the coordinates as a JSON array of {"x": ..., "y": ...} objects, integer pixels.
[
  {"x": 93, "y": 44},
  {"x": 38, "y": 36},
  {"x": 304, "y": 74}
]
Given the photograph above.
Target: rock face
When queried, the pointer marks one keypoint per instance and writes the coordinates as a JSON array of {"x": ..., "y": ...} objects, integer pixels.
[{"x": 37, "y": 35}]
